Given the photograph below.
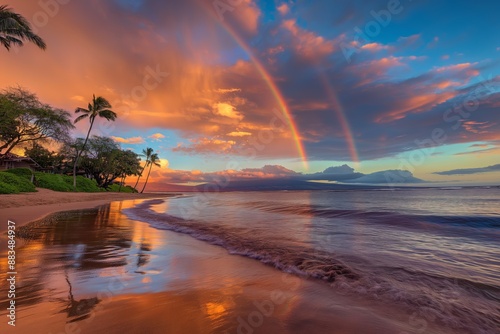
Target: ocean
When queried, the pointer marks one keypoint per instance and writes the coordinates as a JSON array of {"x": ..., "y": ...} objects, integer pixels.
[{"x": 433, "y": 253}]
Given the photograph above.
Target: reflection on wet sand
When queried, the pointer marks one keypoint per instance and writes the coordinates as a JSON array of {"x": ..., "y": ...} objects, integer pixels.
[{"x": 95, "y": 271}]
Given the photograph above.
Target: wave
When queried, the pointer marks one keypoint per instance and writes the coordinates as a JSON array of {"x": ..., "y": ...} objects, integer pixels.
[
  {"x": 456, "y": 303},
  {"x": 387, "y": 217},
  {"x": 316, "y": 264}
]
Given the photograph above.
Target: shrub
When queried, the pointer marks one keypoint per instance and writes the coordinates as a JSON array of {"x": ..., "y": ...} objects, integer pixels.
[
  {"x": 6, "y": 188},
  {"x": 83, "y": 184},
  {"x": 52, "y": 181},
  {"x": 19, "y": 183},
  {"x": 21, "y": 172},
  {"x": 64, "y": 183},
  {"x": 126, "y": 189}
]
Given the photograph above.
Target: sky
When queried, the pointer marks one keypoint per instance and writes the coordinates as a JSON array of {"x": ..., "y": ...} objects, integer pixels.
[{"x": 270, "y": 89}]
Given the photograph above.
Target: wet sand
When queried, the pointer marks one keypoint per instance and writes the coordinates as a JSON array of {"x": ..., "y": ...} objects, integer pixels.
[
  {"x": 96, "y": 271},
  {"x": 26, "y": 207}
]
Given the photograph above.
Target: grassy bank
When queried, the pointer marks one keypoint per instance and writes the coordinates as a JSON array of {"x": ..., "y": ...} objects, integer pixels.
[{"x": 18, "y": 180}]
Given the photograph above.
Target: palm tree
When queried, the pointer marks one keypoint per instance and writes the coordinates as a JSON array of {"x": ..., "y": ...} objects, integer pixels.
[
  {"x": 145, "y": 153},
  {"x": 100, "y": 107},
  {"x": 154, "y": 160},
  {"x": 15, "y": 30}
]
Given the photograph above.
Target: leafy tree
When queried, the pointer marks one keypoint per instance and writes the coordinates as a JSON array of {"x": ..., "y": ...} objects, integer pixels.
[
  {"x": 153, "y": 161},
  {"x": 15, "y": 30},
  {"x": 24, "y": 119},
  {"x": 44, "y": 157},
  {"x": 104, "y": 161},
  {"x": 99, "y": 107},
  {"x": 145, "y": 153},
  {"x": 128, "y": 163}
]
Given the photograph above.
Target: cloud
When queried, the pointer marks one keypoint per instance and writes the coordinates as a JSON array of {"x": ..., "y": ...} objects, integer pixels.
[
  {"x": 228, "y": 90},
  {"x": 207, "y": 146},
  {"x": 480, "y": 145},
  {"x": 407, "y": 41},
  {"x": 344, "y": 169},
  {"x": 307, "y": 44},
  {"x": 227, "y": 110},
  {"x": 283, "y": 9},
  {"x": 386, "y": 99},
  {"x": 239, "y": 134},
  {"x": 388, "y": 177},
  {"x": 130, "y": 141},
  {"x": 157, "y": 136},
  {"x": 487, "y": 150},
  {"x": 468, "y": 171},
  {"x": 374, "y": 47}
]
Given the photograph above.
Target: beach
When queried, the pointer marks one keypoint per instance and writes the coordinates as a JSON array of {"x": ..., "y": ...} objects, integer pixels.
[
  {"x": 115, "y": 268},
  {"x": 26, "y": 207}
]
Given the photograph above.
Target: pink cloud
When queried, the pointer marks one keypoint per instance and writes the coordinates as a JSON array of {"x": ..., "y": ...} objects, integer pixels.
[
  {"x": 283, "y": 9},
  {"x": 306, "y": 43},
  {"x": 374, "y": 47},
  {"x": 477, "y": 127}
]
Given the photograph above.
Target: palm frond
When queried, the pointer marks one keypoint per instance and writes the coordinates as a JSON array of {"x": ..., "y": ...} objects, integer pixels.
[
  {"x": 81, "y": 117},
  {"x": 108, "y": 114},
  {"x": 78, "y": 110},
  {"x": 101, "y": 103},
  {"x": 14, "y": 29}
]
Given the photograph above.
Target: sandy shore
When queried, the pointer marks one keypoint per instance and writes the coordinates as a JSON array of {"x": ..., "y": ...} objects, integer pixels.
[{"x": 23, "y": 208}]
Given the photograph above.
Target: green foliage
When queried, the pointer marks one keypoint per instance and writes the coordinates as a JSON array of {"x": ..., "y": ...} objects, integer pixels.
[
  {"x": 18, "y": 183},
  {"x": 24, "y": 173},
  {"x": 15, "y": 30},
  {"x": 116, "y": 188},
  {"x": 52, "y": 182},
  {"x": 64, "y": 183},
  {"x": 106, "y": 162},
  {"x": 24, "y": 119},
  {"x": 41, "y": 155},
  {"x": 6, "y": 188},
  {"x": 83, "y": 184}
]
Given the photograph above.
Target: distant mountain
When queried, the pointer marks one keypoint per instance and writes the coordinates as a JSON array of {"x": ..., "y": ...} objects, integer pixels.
[
  {"x": 279, "y": 184},
  {"x": 388, "y": 177}
]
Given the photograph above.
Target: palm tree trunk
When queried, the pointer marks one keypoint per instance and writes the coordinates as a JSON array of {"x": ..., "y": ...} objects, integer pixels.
[
  {"x": 138, "y": 178},
  {"x": 78, "y": 154},
  {"x": 149, "y": 172}
]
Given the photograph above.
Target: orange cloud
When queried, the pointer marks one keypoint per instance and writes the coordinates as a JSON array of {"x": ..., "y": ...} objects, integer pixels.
[
  {"x": 415, "y": 104},
  {"x": 131, "y": 141},
  {"x": 227, "y": 110},
  {"x": 157, "y": 136},
  {"x": 239, "y": 134},
  {"x": 207, "y": 146}
]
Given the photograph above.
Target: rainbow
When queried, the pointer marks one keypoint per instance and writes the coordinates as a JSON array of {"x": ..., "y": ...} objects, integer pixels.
[
  {"x": 278, "y": 96},
  {"x": 339, "y": 110}
]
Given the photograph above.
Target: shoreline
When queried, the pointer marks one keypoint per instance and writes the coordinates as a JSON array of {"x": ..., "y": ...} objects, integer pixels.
[
  {"x": 116, "y": 267},
  {"x": 201, "y": 287},
  {"x": 28, "y": 207}
]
